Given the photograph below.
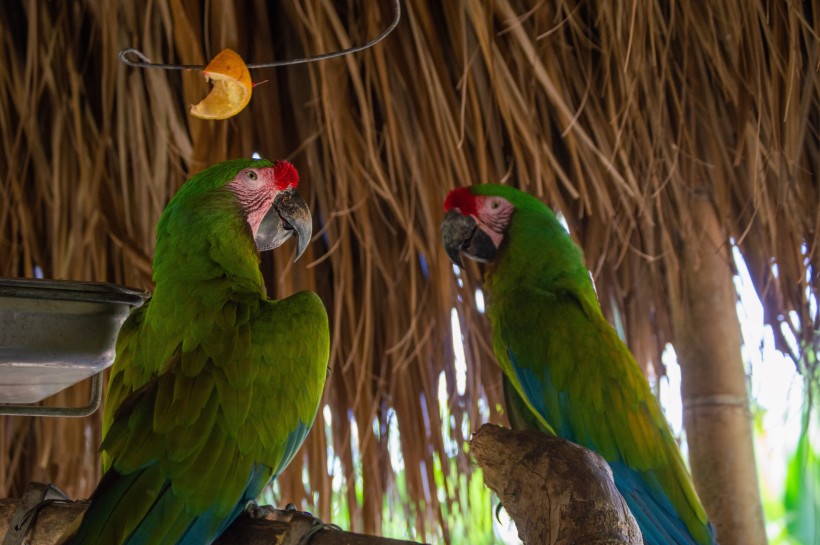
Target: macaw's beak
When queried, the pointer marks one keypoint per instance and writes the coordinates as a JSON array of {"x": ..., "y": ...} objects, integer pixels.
[
  {"x": 461, "y": 234},
  {"x": 289, "y": 215}
]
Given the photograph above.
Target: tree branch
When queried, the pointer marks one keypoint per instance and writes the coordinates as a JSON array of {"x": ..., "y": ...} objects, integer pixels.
[
  {"x": 557, "y": 492},
  {"x": 277, "y": 526}
]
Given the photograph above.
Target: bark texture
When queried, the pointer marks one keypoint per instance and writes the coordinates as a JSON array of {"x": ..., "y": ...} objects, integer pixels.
[
  {"x": 277, "y": 526},
  {"x": 557, "y": 492}
]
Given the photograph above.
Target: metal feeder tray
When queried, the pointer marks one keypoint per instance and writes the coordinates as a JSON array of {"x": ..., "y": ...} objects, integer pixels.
[{"x": 54, "y": 334}]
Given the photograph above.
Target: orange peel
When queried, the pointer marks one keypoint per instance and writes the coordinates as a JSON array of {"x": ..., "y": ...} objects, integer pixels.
[{"x": 231, "y": 90}]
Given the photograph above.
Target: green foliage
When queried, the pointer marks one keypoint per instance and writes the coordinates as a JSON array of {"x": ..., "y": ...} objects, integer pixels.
[
  {"x": 793, "y": 513},
  {"x": 470, "y": 520},
  {"x": 801, "y": 498},
  {"x": 467, "y": 506}
]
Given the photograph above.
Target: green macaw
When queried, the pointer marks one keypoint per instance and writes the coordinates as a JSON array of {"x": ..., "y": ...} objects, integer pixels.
[
  {"x": 566, "y": 371},
  {"x": 214, "y": 386}
]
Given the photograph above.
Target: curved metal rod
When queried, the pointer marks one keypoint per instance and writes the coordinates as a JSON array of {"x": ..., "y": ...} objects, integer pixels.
[
  {"x": 137, "y": 59},
  {"x": 75, "y": 412}
]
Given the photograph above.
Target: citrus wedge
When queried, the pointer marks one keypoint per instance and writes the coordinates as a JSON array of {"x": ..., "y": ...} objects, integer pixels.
[{"x": 231, "y": 90}]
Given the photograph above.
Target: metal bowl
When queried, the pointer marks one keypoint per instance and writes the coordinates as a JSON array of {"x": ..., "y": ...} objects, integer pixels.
[{"x": 54, "y": 334}]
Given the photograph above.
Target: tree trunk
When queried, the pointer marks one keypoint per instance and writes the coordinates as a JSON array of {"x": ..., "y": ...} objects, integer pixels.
[
  {"x": 715, "y": 400},
  {"x": 557, "y": 492}
]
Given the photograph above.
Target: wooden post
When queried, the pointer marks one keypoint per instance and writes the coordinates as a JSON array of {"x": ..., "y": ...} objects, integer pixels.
[
  {"x": 557, "y": 492},
  {"x": 716, "y": 405}
]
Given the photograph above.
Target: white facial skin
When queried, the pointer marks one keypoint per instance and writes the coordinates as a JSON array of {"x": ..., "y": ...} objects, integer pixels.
[
  {"x": 493, "y": 216},
  {"x": 255, "y": 189}
]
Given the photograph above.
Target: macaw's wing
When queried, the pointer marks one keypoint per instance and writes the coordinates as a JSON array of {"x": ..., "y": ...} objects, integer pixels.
[
  {"x": 519, "y": 413},
  {"x": 118, "y": 390},
  {"x": 567, "y": 365},
  {"x": 189, "y": 447}
]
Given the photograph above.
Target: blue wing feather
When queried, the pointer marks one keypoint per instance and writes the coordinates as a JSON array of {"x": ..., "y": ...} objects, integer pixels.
[
  {"x": 656, "y": 516},
  {"x": 163, "y": 514},
  {"x": 659, "y": 523}
]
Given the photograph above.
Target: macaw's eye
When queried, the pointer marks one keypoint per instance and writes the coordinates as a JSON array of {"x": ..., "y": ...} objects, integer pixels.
[
  {"x": 495, "y": 204},
  {"x": 252, "y": 175}
]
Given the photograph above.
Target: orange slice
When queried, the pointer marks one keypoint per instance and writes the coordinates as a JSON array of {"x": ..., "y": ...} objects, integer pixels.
[{"x": 231, "y": 87}]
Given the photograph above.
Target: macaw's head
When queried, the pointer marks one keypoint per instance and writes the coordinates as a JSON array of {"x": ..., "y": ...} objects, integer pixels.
[
  {"x": 478, "y": 218},
  {"x": 273, "y": 208},
  {"x": 516, "y": 231},
  {"x": 266, "y": 196}
]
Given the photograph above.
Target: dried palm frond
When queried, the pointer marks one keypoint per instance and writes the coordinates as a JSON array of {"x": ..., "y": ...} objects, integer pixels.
[{"x": 616, "y": 114}]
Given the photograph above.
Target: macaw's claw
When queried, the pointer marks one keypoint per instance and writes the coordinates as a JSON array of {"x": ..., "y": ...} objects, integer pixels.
[
  {"x": 301, "y": 522},
  {"x": 269, "y": 512},
  {"x": 498, "y": 509},
  {"x": 291, "y": 508}
]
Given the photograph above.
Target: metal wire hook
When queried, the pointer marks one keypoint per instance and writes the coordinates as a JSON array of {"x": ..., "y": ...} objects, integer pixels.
[{"x": 136, "y": 58}]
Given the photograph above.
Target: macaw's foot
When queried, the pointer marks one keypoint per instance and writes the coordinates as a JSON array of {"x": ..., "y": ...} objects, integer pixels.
[
  {"x": 269, "y": 512},
  {"x": 301, "y": 523},
  {"x": 291, "y": 508},
  {"x": 498, "y": 509}
]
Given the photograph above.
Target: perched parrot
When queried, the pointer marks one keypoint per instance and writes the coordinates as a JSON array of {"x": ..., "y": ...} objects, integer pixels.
[
  {"x": 566, "y": 371},
  {"x": 214, "y": 386}
]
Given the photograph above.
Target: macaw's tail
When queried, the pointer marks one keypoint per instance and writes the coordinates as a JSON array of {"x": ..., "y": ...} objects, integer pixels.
[
  {"x": 141, "y": 507},
  {"x": 659, "y": 521}
]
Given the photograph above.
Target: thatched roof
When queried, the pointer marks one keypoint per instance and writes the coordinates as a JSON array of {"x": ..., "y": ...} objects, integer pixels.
[{"x": 615, "y": 114}]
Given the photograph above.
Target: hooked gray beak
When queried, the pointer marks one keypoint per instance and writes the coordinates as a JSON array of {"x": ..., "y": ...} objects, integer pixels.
[
  {"x": 289, "y": 215},
  {"x": 460, "y": 235}
]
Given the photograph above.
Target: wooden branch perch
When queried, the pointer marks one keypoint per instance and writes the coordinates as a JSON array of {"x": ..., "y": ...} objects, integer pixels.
[
  {"x": 277, "y": 526},
  {"x": 557, "y": 492}
]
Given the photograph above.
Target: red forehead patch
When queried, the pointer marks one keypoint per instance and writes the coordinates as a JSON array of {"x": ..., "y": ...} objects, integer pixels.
[
  {"x": 462, "y": 199},
  {"x": 285, "y": 174}
]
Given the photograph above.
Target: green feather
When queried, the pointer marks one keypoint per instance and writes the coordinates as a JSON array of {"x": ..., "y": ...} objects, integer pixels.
[
  {"x": 210, "y": 377},
  {"x": 548, "y": 327},
  {"x": 193, "y": 359}
]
